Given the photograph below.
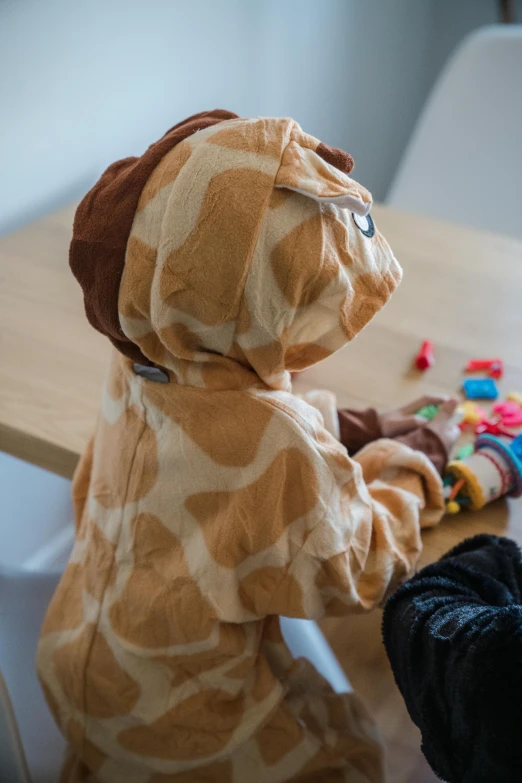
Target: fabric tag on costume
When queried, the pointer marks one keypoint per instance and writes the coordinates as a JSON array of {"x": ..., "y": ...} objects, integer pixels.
[{"x": 150, "y": 373}]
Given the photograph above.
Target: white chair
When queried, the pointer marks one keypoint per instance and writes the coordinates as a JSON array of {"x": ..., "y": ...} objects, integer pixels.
[
  {"x": 33, "y": 552},
  {"x": 25, "y": 720},
  {"x": 36, "y": 530},
  {"x": 464, "y": 160},
  {"x": 12, "y": 757},
  {"x": 305, "y": 639}
]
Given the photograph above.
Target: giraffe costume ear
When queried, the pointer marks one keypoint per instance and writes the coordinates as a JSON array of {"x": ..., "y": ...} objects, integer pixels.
[{"x": 322, "y": 175}]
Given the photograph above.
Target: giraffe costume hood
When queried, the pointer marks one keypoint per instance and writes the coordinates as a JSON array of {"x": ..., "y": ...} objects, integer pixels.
[{"x": 211, "y": 500}]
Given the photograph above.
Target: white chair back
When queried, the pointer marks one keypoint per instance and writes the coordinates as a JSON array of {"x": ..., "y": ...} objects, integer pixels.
[
  {"x": 305, "y": 639},
  {"x": 13, "y": 765},
  {"x": 24, "y": 597},
  {"x": 464, "y": 160}
]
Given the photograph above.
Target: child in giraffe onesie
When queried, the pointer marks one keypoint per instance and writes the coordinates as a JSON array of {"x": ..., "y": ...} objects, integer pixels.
[{"x": 211, "y": 500}]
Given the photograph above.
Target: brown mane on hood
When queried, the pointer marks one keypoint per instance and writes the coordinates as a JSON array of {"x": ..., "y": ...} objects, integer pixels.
[{"x": 103, "y": 222}]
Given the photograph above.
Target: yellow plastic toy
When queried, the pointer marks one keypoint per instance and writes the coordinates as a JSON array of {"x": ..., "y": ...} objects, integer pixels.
[
  {"x": 515, "y": 396},
  {"x": 471, "y": 413},
  {"x": 452, "y": 507}
]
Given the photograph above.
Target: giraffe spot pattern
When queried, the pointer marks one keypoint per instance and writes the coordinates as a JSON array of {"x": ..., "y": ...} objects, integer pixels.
[
  {"x": 165, "y": 173},
  {"x": 230, "y": 646},
  {"x": 66, "y": 615},
  {"x": 286, "y": 491},
  {"x": 279, "y": 736},
  {"x": 135, "y": 287},
  {"x": 81, "y": 488},
  {"x": 250, "y": 140},
  {"x": 208, "y": 420},
  {"x": 220, "y": 770},
  {"x": 128, "y": 451},
  {"x": 318, "y": 262},
  {"x": 98, "y": 570},
  {"x": 105, "y": 690},
  {"x": 196, "y": 727},
  {"x": 221, "y": 259},
  {"x": 259, "y": 592},
  {"x": 161, "y": 604},
  {"x": 92, "y": 756}
]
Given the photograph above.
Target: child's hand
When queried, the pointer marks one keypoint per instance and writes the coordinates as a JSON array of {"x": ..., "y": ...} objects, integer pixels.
[
  {"x": 444, "y": 425},
  {"x": 403, "y": 420}
]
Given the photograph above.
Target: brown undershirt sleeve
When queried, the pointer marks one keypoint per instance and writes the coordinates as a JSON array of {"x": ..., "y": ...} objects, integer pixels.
[
  {"x": 358, "y": 428},
  {"x": 425, "y": 440}
]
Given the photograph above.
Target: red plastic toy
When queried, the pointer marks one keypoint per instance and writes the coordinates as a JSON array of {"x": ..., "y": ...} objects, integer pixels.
[
  {"x": 494, "y": 367},
  {"x": 509, "y": 412},
  {"x": 425, "y": 358},
  {"x": 493, "y": 428}
]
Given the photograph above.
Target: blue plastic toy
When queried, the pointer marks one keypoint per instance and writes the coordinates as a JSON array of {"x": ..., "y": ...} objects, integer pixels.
[
  {"x": 516, "y": 447},
  {"x": 480, "y": 389}
]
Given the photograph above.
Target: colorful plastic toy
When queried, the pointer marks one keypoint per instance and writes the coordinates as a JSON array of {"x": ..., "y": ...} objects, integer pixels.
[
  {"x": 425, "y": 358},
  {"x": 493, "y": 470},
  {"x": 493, "y": 428},
  {"x": 472, "y": 414},
  {"x": 510, "y": 413},
  {"x": 452, "y": 507},
  {"x": 515, "y": 396},
  {"x": 480, "y": 389},
  {"x": 465, "y": 451},
  {"x": 516, "y": 447},
  {"x": 429, "y": 412},
  {"x": 456, "y": 489},
  {"x": 494, "y": 367}
]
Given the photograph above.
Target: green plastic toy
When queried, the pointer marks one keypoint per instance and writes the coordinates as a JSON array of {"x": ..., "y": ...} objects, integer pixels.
[
  {"x": 428, "y": 412},
  {"x": 465, "y": 451}
]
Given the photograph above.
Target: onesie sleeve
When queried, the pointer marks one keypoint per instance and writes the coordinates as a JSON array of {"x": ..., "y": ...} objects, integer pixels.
[
  {"x": 357, "y": 428},
  {"x": 366, "y": 537}
]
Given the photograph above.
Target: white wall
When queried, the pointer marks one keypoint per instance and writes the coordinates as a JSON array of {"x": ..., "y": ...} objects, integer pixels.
[
  {"x": 85, "y": 82},
  {"x": 453, "y": 19},
  {"x": 352, "y": 73}
]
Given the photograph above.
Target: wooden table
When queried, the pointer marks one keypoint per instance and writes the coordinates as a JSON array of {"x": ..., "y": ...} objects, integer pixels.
[
  {"x": 52, "y": 362},
  {"x": 462, "y": 289}
]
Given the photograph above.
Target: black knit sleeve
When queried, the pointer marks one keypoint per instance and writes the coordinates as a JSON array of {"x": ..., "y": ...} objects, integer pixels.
[{"x": 453, "y": 635}]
